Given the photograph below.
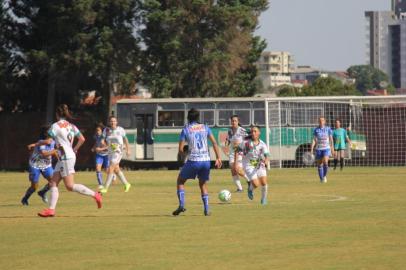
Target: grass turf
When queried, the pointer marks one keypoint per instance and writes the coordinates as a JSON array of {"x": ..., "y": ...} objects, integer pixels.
[{"x": 355, "y": 221}]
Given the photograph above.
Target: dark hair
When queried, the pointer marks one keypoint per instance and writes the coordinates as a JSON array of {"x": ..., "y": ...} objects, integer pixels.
[
  {"x": 238, "y": 118},
  {"x": 100, "y": 125},
  {"x": 43, "y": 133},
  {"x": 193, "y": 115},
  {"x": 62, "y": 111}
]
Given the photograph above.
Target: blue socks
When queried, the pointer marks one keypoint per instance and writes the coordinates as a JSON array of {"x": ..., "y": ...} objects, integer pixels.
[
  {"x": 325, "y": 167},
  {"x": 99, "y": 178},
  {"x": 321, "y": 171},
  {"x": 205, "y": 199},
  {"x": 181, "y": 197}
]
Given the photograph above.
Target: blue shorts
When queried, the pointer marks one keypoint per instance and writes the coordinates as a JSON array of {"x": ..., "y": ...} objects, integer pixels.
[
  {"x": 35, "y": 173},
  {"x": 191, "y": 169},
  {"x": 322, "y": 153},
  {"x": 103, "y": 160}
]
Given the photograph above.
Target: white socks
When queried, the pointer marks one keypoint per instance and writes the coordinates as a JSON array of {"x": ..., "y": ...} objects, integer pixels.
[
  {"x": 110, "y": 177},
  {"x": 53, "y": 197},
  {"x": 122, "y": 178},
  {"x": 79, "y": 188},
  {"x": 264, "y": 192},
  {"x": 237, "y": 182}
]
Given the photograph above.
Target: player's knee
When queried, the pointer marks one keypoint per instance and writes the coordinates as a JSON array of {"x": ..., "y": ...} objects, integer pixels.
[{"x": 69, "y": 187}]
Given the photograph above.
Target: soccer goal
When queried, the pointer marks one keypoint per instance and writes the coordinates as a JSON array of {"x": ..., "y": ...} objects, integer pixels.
[{"x": 376, "y": 127}]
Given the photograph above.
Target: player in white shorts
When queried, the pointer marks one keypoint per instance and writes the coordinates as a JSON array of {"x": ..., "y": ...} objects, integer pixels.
[
  {"x": 255, "y": 157},
  {"x": 235, "y": 135},
  {"x": 114, "y": 140},
  {"x": 63, "y": 134}
]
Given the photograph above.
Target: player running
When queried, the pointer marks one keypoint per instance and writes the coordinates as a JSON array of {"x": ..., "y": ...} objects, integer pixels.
[
  {"x": 323, "y": 143},
  {"x": 340, "y": 138},
  {"x": 64, "y": 133},
  {"x": 236, "y": 134},
  {"x": 114, "y": 138},
  {"x": 40, "y": 163},
  {"x": 101, "y": 157},
  {"x": 255, "y": 155},
  {"x": 198, "y": 163}
]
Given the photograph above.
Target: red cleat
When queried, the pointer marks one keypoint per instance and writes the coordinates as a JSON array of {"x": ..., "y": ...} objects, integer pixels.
[
  {"x": 47, "y": 213},
  {"x": 98, "y": 198}
]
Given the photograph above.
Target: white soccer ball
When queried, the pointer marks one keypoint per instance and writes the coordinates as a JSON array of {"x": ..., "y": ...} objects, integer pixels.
[{"x": 224, "y": 195}]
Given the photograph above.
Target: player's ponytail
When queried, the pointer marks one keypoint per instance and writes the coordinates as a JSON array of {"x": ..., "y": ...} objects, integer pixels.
[{"x": 62, "y": 111}]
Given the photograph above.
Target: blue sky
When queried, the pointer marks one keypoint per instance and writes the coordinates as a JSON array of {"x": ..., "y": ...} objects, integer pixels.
[{"x": 327, "y": 34}]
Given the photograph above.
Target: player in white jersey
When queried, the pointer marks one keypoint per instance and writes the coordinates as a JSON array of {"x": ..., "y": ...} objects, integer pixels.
[
  {"x": 255, "y": 157},
  {"x": 323, "y": 143},
  {"x": 235, "y": 135},
  {"x": 114, "y": 141},
  {"x": 63, "y": 134}
]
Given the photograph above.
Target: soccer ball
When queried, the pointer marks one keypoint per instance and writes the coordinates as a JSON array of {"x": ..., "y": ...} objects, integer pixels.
[{"x": 224, "y": 195}]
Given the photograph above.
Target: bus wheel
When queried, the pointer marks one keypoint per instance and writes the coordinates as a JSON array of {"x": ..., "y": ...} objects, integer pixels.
[{"x": 305, "y": 157}]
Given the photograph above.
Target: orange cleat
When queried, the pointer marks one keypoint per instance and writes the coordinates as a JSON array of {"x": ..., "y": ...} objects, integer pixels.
[
  {"x": 98, "y": 198},
  {"x": 47, "y": 213}
]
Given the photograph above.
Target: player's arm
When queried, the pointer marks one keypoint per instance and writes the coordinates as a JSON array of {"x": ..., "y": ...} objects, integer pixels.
[
  {"x": 347, "y": 138},
  {"x": 80, "y": 142},
  {"x": 331, "y": 144},
  {"x": 218, "y": 162},
  {"x": 313, "y": 144},
  {"x": 42, "y": 142},
  {"x": 52, "y": 152},
  {"x": 127, "y": 146}
]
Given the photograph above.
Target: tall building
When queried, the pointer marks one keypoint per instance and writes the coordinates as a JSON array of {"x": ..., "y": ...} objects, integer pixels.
[
  {"x": 274, "y": 68},
  {"x": 398, "y": 53},
  {"x": 378, "y": 40}
]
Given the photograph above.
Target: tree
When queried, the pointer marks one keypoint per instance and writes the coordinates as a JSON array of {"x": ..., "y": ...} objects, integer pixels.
[
  {"x": 321, "y": 87},
  {"x": 367, "y": 77},
  {"x": 201, "y": 48},
  {"x": 72, "y": 45}
]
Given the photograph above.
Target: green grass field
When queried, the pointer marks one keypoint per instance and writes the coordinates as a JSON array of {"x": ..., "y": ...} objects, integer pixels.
[{"x": 355, "y": 221}]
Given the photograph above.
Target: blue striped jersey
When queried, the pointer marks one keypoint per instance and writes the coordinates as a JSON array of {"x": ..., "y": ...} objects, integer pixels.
[{"x": 195, "y": 135}]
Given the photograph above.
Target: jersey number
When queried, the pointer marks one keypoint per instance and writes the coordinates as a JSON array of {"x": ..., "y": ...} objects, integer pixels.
[{"x": 198, "y": 141}]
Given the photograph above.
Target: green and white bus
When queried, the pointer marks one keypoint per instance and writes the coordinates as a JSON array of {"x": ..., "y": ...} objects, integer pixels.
[{"x": 153, "y": 125}]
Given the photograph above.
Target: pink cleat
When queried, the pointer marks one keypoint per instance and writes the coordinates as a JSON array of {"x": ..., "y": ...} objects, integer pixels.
[
  {"x": 47, "y": 213},
  {"x": 98, "y": 198}
]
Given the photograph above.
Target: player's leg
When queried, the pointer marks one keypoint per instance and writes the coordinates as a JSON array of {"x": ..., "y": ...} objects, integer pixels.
[
  {"x": 122, "y": 178},
  {"x": 34, "y": 178},
  {"x": 262, "y": 177},
  {"x": 341, "y": 153},
  {"x": 54, "y": 192},
  {"x": 336, "y": 158},
  {"x": 204, "y": 176},
  {"x": 188, "y": 172},
  {"x": 254, "y": 183},
  {"x": 325, "y": 160},
  {"x": 235, "y": 177},
  {"x": 47, "y": 174},
  {"x": 319, "y": 163},
  {"x": 99, "y": 162}
]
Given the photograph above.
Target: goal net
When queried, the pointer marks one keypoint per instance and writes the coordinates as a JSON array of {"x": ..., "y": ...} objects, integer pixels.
[{"x": 376, "y": 127}]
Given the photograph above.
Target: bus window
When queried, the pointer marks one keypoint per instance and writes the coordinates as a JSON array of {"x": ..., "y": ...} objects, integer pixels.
[
  {"x": 305, "y": 117},
  {"x": 171, "y": 115},
  {"x": 227, "y": 109},
  {"x": 259, "y": 118},
  {"x": 207, "y": 118},
  {"x": 206, "y": 112},
  {"x": 274, "y": 117},
  {"x": 124, "y": 115}
]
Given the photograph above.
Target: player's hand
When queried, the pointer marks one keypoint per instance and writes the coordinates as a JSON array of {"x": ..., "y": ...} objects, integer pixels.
[
  {"x": 30, "y": 146},
  {"x": 218, "y": 163}
]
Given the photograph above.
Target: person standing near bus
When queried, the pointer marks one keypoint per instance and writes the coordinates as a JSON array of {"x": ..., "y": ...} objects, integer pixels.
[
  {"x": 340, "y": 138},
  {"x": 63, "y": 133},
  {"x": 114, "y": 139},
  {"x": 198, "y": 162},
  {"x": 323, "y": 143},
  {"x": 235, "y": 135}
]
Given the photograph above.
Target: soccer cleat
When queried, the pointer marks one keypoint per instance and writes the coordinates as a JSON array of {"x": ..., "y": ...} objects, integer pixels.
[
  {"x": 103, "y": 190},
  {"x": 264, "y": 201},
  {"x": 47, "y": 213},
  {"x": 178, "y": 211},
  {"x": 98, "y": 198},
  {"x": 127, "y": 187},
  {"x": 207, "y": 213},
  {"x": 43, "y": 196},
  {"x": 324, "y": 180},
  {"x": 250, "y": 194},
  {"x": 100, "y": 187},
  {"x": 239, "y": 190},
  {"x": 24, "y": 201}
]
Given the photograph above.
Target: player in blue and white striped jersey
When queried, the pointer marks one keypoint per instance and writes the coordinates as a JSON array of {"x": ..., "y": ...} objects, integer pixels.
[
  {"x": 40, "y": 162},
  {"x": 323, "y": 143},
  {"x": 198, "y": 163}
]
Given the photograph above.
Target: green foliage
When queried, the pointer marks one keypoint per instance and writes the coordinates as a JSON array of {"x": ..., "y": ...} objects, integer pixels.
[
  {"x": 367, "y": 78},
  {"x": 321, "y": 87},
  {"x": 201, "y": 48}
]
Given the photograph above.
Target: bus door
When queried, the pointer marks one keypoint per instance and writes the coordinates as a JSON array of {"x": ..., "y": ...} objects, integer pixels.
[{"x": 144, "y": 149}]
